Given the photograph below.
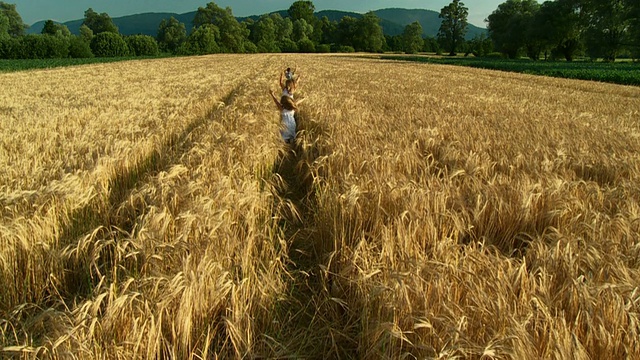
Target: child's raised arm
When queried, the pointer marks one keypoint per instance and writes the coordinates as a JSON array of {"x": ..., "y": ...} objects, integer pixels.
[{"x": 275, "y": 100}]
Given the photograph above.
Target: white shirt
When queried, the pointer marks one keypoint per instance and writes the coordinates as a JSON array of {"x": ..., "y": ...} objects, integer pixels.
[
  {"x": 288, "y": 131},
  {"x": 287, "y": 93}
]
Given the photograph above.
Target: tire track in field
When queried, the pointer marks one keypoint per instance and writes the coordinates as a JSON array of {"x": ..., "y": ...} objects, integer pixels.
[
  {"x": 109, "y": 218},
  {"x": 316, "y": 323}
]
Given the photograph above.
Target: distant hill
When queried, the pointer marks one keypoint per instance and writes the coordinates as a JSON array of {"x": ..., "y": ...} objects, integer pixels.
[
  {"x": 428, "y": 19},
  {"x": 146, "y": 23},
  {"x": 393, "y": 21}
]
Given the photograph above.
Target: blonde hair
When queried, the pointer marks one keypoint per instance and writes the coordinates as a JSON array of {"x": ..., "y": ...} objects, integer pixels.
[{"x": 290, "y": 85}]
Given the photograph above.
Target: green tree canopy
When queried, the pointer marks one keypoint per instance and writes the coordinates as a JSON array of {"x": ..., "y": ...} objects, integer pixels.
[
  {"x": 44, "y": 47},
  {"x": 302, "y": 10},
  {"x": 559, "y": 26},
  {"x": 52, "y": 28},
  {"x": 509, "y": 25},
  {"x": 346, "y": 30},
  {"x": 264, "y": 34},
  {"x": 85, "y": 33},
  {"x": 109, "y": 44},
  {"x": 301, "y": 30},
  {"x": 453, "y": 26},
  {"x": 171, "y": 34},
  {"x": 79, "y": 47},
  {"x": 233, "y": 35},
  {"x": 284, "y": 27},
  {"x": 328, "y": 29},
  {"x": 607, "y": 25},
  {"x": 99, "y": 23},
  {"x": 15, "y": 25},
  {"x": 203, "y": 40},
  {"x": 368, "y": 34},
  {"x": 412, "y": 41},
  {"x": 4, "y": 26},
  {"x": 142, "y": 45},
  {"x": 634, "y": 29}
]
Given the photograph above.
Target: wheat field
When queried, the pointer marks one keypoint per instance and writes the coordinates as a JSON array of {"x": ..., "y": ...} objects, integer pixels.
[{"x": 150, "y": 210}]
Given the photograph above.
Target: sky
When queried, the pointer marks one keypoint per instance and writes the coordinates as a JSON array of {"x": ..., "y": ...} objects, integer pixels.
[{"x": 33, "y": 11}]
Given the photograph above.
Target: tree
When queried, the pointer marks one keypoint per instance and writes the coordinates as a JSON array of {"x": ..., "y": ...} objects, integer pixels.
[
  {"x": 15, "y": 25},
  {"x": 306, "y": 46},
  {"x": 509, "y": 25},
  {"x": 301, "y": 30},
  {"x": 4, "y": 27},
  {"x": 233, "y": 35},
  {"x": 368, "y": 34},
  {"x": 302, "y": 10},
  {"x": 85, "y": 33},
  {"x": 202, "y": 41},
  {"x": 284, "y": 28},
  {"x": 79, "y": 47},
  {"x": 412, "y": 40},
  {"x": 346, "y": 30},
  {"x": 263, "y": 34},
  {"x": 633, "y": 7},
  {"x": 142, "y": 45},
  {"x": 480, "y": 45},
  {"x": 43, "y": 47},
  {"x": 453, "y": 26},
  {"x": 99, "y": 23},
  {"x": 329, "y": 29},
  {"x": 10, "y": 48},
  {"x": 431, "y": 44},
  {"x": 558, "y": 26},
  {"x": 51, "y": 28},
  {"x": 171, "y": 34},
  {"x": 607, "y": 27},
  {"x": 109, "y": 44}
]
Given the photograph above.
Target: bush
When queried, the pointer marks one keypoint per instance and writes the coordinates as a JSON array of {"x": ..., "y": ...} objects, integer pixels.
[
  {"x": 306, "y": 46},
  {"x": 79, "y": 48},
  {"x": 495, "y": 55},
  {"x": 250, "y": 48},
  {"x": 323, "y": 48},
  {"x": 142, "y": 45},
  {"x": 267, "y": 47},
  {"x": 44, "y": 47},
  {"x": 108, "y": 44},
  {"x": 11, "y": 48},
  {"x": 288, "y": 46},
  {"x": 346, "y": 49}
]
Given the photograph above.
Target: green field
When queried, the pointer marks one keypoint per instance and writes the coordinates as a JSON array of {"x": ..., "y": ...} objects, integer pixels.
[
  {"x": 28, "y": 64},
  {"x": 624, "y": 73}
]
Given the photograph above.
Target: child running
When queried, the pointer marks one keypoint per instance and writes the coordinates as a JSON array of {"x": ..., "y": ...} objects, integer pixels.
[
  {"x": 289, "y": 83},
  {"x": 289, "y": 74},
  {"x": 288, "y": 109}
]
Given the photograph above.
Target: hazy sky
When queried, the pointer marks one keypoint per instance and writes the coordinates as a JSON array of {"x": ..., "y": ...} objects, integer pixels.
[{"x": 33, "y": 11}]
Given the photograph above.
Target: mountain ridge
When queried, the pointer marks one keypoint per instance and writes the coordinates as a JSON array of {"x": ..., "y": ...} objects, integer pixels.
[{"x": 393, "y": 21}]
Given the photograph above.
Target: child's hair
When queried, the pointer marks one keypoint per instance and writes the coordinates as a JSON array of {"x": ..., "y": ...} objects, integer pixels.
[
  {"x": 290, "y": 85},
  {"x": 288, "y": 69},
  {"x": 287, "y": 102}
]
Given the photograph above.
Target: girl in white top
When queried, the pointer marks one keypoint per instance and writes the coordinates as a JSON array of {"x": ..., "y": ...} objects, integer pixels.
[
  {"x": 288, "y": 109},
  {"x": 288, "y": 88},
  {"x": 289, "y": 85}
]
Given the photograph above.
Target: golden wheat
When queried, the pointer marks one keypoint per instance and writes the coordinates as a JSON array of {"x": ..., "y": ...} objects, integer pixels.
[{"x": 150, "y": 210}]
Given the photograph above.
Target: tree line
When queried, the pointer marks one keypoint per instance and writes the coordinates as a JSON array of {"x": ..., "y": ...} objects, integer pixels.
[
  {"x": 598, "y": 29},
  {"x": 217, "y": 30},
  {"x": 551, "y": 30}
]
